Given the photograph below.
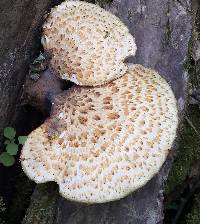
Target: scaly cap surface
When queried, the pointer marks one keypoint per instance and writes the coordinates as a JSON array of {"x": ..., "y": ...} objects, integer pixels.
[
  {"x": 88, "y": 45},
  {"x": 102, "y": 143}
]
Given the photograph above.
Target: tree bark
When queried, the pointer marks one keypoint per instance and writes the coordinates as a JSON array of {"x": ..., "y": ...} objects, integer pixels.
[
  {"x": 20, "y": 22},
  {"x": 162, "y": 30}
]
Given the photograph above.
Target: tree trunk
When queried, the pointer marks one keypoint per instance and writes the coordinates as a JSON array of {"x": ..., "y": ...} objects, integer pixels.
[
  {"x": 162, "y": 30},
  {"x": 20, "y": 23}
]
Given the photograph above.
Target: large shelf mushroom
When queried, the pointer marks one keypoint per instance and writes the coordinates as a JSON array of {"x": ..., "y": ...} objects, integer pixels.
[
  {"x": 101, "y": 143},
  {"x": 87, "y": 44}
]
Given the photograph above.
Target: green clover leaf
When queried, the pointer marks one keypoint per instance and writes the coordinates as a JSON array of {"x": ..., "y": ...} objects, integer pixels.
[
  {"x": 6, "y": 159},
  {"x": 12, "y": 149},
  {"x": 9, "y": 132},
  {"x": 22, "y": 139}
]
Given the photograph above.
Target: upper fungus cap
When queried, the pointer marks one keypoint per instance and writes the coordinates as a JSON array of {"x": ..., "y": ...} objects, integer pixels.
[
  {"x": 88, "y": 45},
  {"x": 102, "y": 143}
]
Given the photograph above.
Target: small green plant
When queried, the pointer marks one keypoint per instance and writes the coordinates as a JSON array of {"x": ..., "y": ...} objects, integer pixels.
[{"x": 11, "y": 147}]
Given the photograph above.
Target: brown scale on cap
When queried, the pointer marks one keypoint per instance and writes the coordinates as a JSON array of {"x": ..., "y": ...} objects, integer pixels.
[
  {"x": 104, "y": 154},
  {"x": 88, "y": 45}
]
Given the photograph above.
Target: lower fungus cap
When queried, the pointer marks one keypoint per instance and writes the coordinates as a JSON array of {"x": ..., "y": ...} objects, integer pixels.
[
  {"x": 88, "y": 45},
  {"x": 102, "y": 143}
]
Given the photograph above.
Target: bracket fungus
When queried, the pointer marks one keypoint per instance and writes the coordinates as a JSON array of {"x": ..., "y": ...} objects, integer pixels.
[
  {"x": 87, "y": 44},
  {"x": 102, "y": 143}
]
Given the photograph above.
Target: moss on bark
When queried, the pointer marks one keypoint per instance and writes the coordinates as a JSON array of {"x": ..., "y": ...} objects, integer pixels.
[
  {"x": 194, "y": 216},
  {"x": 43, "y": 205},
  {"x": 185, "y": 172},
  {"x": 188, "y": 154}
]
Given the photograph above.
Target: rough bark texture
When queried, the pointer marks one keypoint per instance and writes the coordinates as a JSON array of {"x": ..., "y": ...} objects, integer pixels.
[
  {"x": 36, "y": 214},
  {"x": 162, "y": 30},
  {"x": 20, "y": 23}
]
